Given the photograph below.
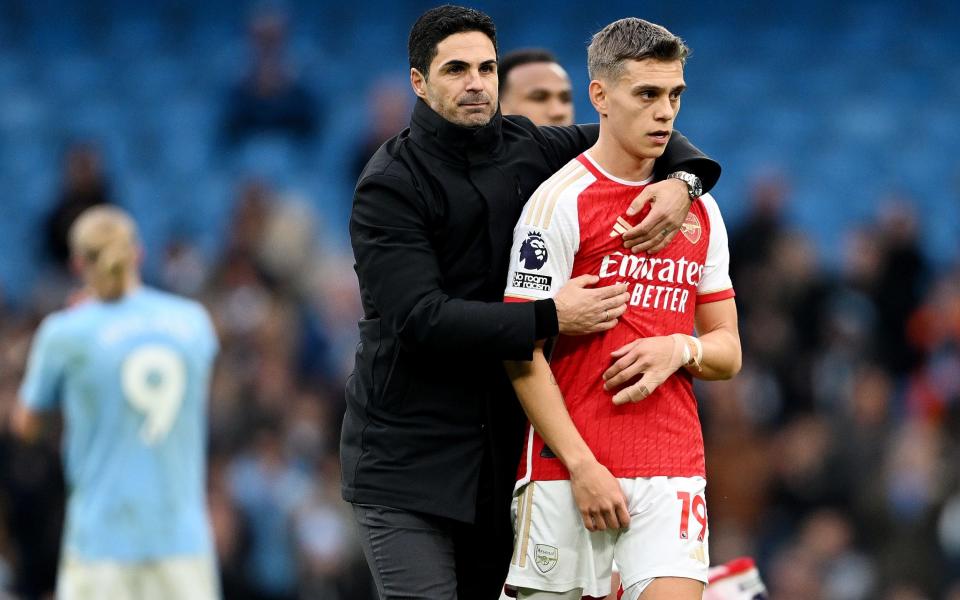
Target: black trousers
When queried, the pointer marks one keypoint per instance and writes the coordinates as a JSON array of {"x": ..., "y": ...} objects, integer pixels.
[{"x": 415, "y": 556}]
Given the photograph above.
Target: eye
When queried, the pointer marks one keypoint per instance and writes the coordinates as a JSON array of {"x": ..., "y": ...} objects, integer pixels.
[
  {"x": 454, "y": 69},
  {"x": 538, "y": 96},
  {"x": 487, "y": 68}
]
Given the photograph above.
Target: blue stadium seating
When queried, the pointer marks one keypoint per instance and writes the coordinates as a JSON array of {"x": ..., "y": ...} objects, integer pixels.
[{"x": 851, "y": 101}]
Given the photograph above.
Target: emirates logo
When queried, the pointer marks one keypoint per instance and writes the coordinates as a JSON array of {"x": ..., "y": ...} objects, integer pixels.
[{"x": 690, "y": 228}]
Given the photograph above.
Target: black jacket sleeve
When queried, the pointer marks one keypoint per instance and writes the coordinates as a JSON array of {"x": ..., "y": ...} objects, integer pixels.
[
  {"x": 400, "y": 276},
  {"x": 680, "y": 155}
]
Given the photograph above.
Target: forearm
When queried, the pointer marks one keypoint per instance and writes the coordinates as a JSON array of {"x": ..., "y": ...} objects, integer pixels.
[
  {"x": 543, "y": 403},
  {"x": 403, "y": 284},
  {"x": 681, "y": 155},
  {"x": 721, "y": 358},
  {"x": 504, "y": 330}
]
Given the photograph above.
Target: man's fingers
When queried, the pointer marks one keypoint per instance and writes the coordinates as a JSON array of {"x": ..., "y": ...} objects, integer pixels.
[
  {"x": 623, "y": 515},
  {"x": 640, "y": 390},
  {"x": 618, "y": 301},
  {"x": 585, "y": 280},
  {"x": 664, "y": 242},
  {"x": 611, "y": 291},
  {"x": 604, "y": 326},
  {"x": 645, "y": 230},
  {"x": 621, "y": 373},
  {"x": 624, "y": 349},
  {"x": 648, "y": 226},
  {"x": 661, "y": 230},
  {"x": 634, "y": 393},
  {"x": 640, "y": 201},
  {"x": 587, "y": 520},
  {"x": 597, "y": 518},
  {"x": 616, "y": 311},
  {"x": 610, "y": 517}
]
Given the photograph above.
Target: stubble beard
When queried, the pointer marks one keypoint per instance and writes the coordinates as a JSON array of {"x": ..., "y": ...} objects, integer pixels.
[{"x": 455, "y": 114}]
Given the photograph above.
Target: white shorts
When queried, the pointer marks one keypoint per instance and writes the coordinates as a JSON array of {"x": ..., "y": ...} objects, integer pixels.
[
  {"x": 183, "y": 578},
  {"x": 554, "y": 552}
]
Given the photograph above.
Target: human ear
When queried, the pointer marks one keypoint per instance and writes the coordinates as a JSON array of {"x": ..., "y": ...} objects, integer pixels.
[{"x": 418, "y": 82}]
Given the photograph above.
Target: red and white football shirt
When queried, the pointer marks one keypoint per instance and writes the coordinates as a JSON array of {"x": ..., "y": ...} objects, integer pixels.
[{"x": 572, "y": 226}]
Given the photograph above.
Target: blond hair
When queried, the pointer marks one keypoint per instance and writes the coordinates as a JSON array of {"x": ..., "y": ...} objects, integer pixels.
[
  {"x": 631, "y": 39},
  {"x": 104, "y": 238}
]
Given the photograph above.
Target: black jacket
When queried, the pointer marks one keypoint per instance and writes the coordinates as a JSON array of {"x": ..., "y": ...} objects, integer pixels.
[{"x": 431, "y": 228}]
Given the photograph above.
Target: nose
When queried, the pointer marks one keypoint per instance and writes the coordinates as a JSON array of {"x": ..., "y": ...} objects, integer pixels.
[
  {"x": 664, "y": 110},
  {"x": 474, "y": 82},
  {"x": 557, "y": 110}
]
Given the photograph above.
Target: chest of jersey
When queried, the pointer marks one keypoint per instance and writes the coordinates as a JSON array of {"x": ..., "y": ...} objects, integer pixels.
[{"x": 661, "y": 286}]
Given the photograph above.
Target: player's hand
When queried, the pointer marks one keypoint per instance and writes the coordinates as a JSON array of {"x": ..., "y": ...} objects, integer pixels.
[
  {"x": 669, "y": 204},
  {"x": 582, "y": 310},
  {"x": 599, "y": 497},
  {"x": 657, "y": 358}
]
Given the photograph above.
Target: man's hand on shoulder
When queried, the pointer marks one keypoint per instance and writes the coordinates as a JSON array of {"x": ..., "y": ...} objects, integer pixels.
[
  {"x": 669, "y": 204},
  {"x": 582, "y": 310}
]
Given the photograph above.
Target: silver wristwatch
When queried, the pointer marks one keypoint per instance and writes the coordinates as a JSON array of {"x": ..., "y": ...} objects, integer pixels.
[{"x": 694, "y": 187}]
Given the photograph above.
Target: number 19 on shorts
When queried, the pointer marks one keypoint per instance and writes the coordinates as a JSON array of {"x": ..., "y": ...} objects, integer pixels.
[{"x": 697, "y": 507}]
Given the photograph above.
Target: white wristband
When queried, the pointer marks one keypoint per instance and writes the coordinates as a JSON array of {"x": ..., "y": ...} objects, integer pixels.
[{"x": 699, "y": 358}]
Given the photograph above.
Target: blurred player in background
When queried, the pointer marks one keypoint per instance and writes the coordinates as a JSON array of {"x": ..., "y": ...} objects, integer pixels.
[
  {"x": 129, "y": 367},
  {"x": 533, "y": 84},
  {"x": 630, "y": 449},
  {"x": 737, "y": 579}
]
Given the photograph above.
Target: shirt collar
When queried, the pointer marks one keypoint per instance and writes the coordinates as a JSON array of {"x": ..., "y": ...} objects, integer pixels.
[{"x": 435, "y": 133}]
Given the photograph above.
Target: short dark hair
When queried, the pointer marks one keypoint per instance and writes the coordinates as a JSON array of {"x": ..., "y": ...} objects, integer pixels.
[
  {"x": 631, "y": 39},
  {"x": 523, "y": 56},
  {"x": 437, "y": 24}
]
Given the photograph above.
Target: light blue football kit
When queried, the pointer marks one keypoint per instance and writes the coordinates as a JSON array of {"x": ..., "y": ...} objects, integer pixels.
[{"x": 131, "y": 377}]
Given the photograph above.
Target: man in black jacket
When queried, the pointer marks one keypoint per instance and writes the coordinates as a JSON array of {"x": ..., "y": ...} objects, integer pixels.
[{"x": 432, "y": 432}]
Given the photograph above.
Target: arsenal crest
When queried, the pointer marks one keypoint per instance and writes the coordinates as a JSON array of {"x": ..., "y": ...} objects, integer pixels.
[
  {"x": 545, "y": 557},
  {"x": 690, "y": 228}
]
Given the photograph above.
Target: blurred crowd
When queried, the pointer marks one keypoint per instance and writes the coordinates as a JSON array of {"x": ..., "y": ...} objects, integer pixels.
[
  {"x": 283, "y": 314},
  {"x": 833, "y": 458}
]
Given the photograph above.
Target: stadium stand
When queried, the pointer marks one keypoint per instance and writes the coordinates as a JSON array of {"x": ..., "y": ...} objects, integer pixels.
[{"x": 832, "y": 457}]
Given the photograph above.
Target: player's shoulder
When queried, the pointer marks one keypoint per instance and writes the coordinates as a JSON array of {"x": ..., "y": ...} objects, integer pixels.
[
  {"x": 172, "y": 302},
  {"x": 710, "y": 208},
  {"x": 60, "y": 321},
  {"x": 710, "y": 203},
  {"x": 558, "y": 194},
  {"x": 71, "y": 323},
  {"x": 384, "y": 159}
]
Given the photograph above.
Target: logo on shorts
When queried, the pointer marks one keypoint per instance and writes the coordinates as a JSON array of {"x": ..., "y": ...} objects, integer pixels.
[
  {"x": 690, "y": 228},
  {"x": 545, "y": 557},
  {"x": 533, "y": 251}
]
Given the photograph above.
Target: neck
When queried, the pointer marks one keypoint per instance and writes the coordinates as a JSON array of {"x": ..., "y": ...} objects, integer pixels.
[
  {"x": 617, "y": 160},
  {"x": 131, "y": 284}
]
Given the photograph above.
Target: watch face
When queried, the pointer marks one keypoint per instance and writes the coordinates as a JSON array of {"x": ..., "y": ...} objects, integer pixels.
[{"x": 696, "y": 189}]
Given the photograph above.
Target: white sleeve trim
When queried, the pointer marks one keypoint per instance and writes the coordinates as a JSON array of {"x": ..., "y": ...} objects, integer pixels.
[
  {"x": 716, "y": 270},
  {"x": 547, "y": 236}
]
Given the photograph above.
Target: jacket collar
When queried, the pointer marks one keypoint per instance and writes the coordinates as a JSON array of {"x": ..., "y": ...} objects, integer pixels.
[{"x": 439, "y": 136}]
